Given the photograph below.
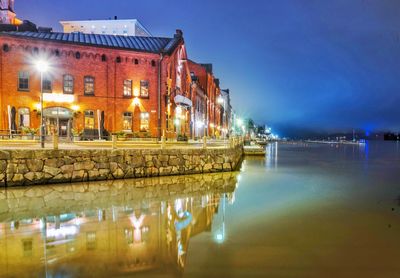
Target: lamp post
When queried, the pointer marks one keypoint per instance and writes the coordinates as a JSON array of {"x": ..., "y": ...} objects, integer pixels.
[{"x": 42, "y": 67}]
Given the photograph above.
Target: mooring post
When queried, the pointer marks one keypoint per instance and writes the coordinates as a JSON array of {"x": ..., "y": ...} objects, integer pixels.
[
  {"x": 204, "y": 142},
  {"x": 114, "y": 141},
  {"x": 55, "y": 141},
  {"x": 163, "y": 140}
]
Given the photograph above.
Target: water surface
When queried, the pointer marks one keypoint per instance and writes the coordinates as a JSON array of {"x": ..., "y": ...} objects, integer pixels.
[{"x": 302, "y": 211}]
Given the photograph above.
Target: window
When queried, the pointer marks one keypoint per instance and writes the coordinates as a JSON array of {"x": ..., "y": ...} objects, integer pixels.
[
  {"x": 27, "y": 245},
  {"x": 128, "y": 235},
  {"x": 144, "y": 121},
  {"x": 127, "y": 121},
  {"x": 136, "y": 61},
  {"x": 89, "y": 85},
  {"x": 23, "y": 117},
  {"x": 68, "y": 84},
  {"x": 89, "y": 119},
  {"x": 90, "y": 240},
  {"x": 144, "y": 88},
  {"x": 127, "y": 88},
  {"x": 47, "y": 84},
  {"x": 23, "y": 81}
]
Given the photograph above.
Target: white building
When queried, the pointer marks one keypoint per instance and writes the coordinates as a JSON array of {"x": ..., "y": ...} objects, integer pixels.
[
  {"x": 7, "y": 14},
  {"x": 123, "y": 27}
]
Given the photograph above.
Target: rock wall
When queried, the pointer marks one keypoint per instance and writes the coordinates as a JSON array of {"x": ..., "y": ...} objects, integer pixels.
[{"x": 28, "y": 167}]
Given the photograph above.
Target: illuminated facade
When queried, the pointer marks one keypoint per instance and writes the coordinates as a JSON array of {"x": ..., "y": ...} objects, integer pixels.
[
  {"x": 207, "y": 91},
  {"x": 115, "y": 83}
]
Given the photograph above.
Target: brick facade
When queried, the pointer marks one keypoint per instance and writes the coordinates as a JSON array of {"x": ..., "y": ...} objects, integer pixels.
[{"x": 167, "y": 74}]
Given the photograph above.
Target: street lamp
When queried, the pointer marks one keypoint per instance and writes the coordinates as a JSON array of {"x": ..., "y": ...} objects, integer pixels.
[{"x": 42, "y": 66}]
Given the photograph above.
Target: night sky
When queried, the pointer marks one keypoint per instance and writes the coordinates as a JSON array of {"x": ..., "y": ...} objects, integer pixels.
[{"x": 328, "y": 65}]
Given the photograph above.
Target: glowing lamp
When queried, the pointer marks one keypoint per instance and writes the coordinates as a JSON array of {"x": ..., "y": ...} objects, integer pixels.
[
  {"x": 42, "y": 66},
  {"x": 75, "y": 107},
  {"x": 38, "y": 107},
  {"x": 136, "y": 92},
  {"x": 136, "y": 101}
]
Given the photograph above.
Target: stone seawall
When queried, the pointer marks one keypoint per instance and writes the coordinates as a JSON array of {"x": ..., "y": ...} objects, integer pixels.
[{"x": 28, "y": 167}]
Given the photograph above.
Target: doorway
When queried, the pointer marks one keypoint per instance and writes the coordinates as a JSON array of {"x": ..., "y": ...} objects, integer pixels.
[{"x": 58, "y": 121}]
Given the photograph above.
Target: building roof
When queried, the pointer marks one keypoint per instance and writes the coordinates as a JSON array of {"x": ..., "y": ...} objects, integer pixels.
[{"x": 144, "y": 44}]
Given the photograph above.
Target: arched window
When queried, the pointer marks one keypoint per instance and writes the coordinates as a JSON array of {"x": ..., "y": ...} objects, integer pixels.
[
  {"x": 23, "y": 117},
  {"x": 68, "y": 84},
  {"x": 89, "y": 85}
]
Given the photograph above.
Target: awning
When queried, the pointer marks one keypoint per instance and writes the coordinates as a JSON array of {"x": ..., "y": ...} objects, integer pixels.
[{"x": 184, "y": 101}]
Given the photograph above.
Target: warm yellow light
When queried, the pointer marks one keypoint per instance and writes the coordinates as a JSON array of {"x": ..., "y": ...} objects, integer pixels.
[
  {"x": 136, "y": 101},
  {"x": 38, "y": 106},
  {"x": 136, "y": 92},
  {"x": 178, "y": 110},
  {"x": 53, "y": 97},
  {"x": 75, "y": 107},
  {"x": 42, "y": 66}
]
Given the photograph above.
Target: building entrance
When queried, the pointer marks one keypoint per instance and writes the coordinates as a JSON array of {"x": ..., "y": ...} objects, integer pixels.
[{"x": 58, "y": 121}]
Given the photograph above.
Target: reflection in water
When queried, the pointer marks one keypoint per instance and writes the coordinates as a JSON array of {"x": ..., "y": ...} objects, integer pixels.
[{"x": 111, "y": 228}]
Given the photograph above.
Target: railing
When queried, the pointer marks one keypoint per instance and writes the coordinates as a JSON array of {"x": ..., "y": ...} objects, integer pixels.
[{"x": 116, "y": 143}]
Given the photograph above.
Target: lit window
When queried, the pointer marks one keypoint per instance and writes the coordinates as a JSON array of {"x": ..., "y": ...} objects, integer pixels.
[
  {"x": 127, "y": 121},
  {"x": 47, "y": 84},
  {"x": 89, "y": 85},
  {"x": 127, "y": 88},
  {"x": 90, "y": 240},
  {"x": 68, "y": 84},
  {"x": 89, "y": 119},
  {"x": 27, "y": 245},
  {"x": 144, "y": 88},
  {"x": 23, "y": 117},
  {"x": 129, "y": 235},
  {"x": 144, "y": 121},
  {"x": 23, "y": 81}
]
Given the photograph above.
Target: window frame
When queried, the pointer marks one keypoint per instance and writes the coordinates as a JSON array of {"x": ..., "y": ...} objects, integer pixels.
[
  {"x": 144, "y": 118},
  {"x": 28, "y": 114},
  {"x": 86, "y": 115},
  {"x": 125, "y": 86},
  {"x": 124, "y": 116},
  {"x": 142, "y": 82},
  {"x": 72, "y": 84},
  {"x": 49, "y": 81},
  {"x": 86, "y": 82},
  {"x": 19, "y": 81}
]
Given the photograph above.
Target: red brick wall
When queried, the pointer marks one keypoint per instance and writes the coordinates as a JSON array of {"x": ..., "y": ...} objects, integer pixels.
[{"x": 109, "y": 77}]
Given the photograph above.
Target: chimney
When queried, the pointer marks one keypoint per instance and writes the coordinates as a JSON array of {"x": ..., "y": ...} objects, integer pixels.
[{"x": 178, "y": 34}]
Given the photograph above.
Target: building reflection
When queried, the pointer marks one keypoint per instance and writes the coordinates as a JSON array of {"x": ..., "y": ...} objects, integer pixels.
[{"x": 147, "y": 235}]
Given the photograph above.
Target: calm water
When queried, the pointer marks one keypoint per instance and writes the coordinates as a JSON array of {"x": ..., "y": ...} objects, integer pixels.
[{"x": 303, "y": 211}]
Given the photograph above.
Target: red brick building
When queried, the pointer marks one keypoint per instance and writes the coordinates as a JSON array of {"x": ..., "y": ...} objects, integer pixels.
[
  {"x": 206, "y": 82},
  {"x": 139, "y": 85}
]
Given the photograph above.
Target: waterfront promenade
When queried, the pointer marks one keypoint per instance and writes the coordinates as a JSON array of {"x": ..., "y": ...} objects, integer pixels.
[{"x": 27, "y": 164}]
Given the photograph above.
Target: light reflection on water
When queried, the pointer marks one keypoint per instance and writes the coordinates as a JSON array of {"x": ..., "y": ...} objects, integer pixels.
[
  {"x": 305, "y": 210},
  {"x": 109, "y": 229}
]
